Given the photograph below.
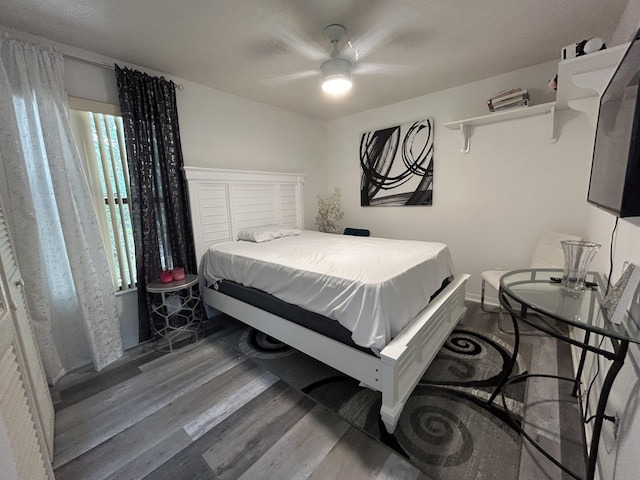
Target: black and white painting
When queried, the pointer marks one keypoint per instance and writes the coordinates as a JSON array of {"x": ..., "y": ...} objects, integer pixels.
[{"x": 397, "y": 165}]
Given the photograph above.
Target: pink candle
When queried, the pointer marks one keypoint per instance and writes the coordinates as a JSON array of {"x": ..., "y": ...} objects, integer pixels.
[
  {"x": 166, "y": 276},
  {"x": 178, "y": 273}
]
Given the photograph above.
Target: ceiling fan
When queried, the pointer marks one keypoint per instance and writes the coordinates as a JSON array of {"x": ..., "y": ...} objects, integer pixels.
[{"x": 337, "y": 70}]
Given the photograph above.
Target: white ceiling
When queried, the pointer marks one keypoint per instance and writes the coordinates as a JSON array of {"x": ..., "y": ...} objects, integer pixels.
[{"x": 245, "y": 47}]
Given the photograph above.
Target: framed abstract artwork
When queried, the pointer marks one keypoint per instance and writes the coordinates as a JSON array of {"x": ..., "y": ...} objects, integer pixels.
[{"x": 397, "y": 165}]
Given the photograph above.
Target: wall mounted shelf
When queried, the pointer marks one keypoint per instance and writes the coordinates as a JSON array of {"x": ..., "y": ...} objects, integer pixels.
[
  {"x": 581, "y": 81},
  {"x": 463, "y": 125}
]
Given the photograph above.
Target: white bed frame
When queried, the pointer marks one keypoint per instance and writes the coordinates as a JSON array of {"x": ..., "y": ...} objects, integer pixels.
[{"x": 224, "y": 201}]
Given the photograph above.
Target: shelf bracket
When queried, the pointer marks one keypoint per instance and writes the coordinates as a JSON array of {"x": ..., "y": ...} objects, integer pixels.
[
  {"x": 553, "y": 138},
  {"x": 464, "y": 130},
  {"x": 596, "y": 81},
  {"x": 589, "y": 106}
]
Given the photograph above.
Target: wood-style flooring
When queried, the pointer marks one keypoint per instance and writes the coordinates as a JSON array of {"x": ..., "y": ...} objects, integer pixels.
[{"x": 205, "y": 412}]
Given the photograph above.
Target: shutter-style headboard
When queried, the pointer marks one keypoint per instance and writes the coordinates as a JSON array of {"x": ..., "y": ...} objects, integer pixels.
[{"x": 225, "y": 201}]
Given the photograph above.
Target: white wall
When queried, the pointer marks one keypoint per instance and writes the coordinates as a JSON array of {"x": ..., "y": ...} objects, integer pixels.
[
  {"x": 491, "y": 204},
  {"x": 226, "y": 131},
  {"x": 127, "y": 303}
]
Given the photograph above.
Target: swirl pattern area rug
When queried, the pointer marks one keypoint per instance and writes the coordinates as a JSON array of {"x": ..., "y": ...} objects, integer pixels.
[{"x": 446, "y": 429}]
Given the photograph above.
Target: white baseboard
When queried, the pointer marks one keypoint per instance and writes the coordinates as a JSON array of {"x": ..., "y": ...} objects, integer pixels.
[{"x": 475, "y": 297}]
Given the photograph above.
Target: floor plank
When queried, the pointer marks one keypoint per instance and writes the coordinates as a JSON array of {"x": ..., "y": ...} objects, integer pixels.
[
  {"x": 252, "y": 431},
  {"x": 233, "y": 400},
  {"x": 396, "y": 468},
  {"x": 308, "y": 442},
  {"x": 234, "y": 444},
  {"x": 134, "y": 355},
  {"x": 353, "y": 457},
  {"x": 82, "y": 389},
  {"x": 195, "y": 469},
  {"x": 117, "y": 408},
  {"x": 114, "y": 455},
  {"x": 113, "y": 396},
  {"x": 151, "y": 458}
]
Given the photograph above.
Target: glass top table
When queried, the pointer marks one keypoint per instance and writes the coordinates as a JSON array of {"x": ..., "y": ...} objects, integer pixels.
[
  {"x": 535, "y": 289},
  {"x": 539, "y": 290}
]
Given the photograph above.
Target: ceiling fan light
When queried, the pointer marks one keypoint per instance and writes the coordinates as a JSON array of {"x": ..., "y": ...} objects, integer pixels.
[
  {"x": 336, "y": 85},
  {"x": 336, "y": 74}
]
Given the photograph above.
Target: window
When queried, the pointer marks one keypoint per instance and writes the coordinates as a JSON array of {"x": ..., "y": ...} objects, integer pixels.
[{"x": 100, "y": 139}]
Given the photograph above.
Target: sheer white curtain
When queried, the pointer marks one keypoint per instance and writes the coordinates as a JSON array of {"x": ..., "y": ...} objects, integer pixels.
[{"x": 50, "y": 214}]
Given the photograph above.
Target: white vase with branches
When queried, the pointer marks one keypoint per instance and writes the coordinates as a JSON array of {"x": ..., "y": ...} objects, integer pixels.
[{"x": 330, "y": 213}]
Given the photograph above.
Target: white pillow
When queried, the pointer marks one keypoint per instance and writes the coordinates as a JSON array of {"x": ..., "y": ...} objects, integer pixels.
[{"x": 265, "y": 233}]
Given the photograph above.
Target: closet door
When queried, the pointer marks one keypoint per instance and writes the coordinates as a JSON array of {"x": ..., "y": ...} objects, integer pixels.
[
  {"x": 22, "y": 455},
  {"x": 23, "y": 342}
]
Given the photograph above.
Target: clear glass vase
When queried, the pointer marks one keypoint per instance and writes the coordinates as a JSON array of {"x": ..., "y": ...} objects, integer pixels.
[{"x": 577, "y": 257}]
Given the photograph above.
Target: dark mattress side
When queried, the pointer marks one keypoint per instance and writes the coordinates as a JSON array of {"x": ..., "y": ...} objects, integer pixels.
[{"x": 313, "y": 321}]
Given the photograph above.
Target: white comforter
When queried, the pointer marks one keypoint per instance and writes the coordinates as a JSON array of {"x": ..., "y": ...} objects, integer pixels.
[{"x": 373, "y": 286}]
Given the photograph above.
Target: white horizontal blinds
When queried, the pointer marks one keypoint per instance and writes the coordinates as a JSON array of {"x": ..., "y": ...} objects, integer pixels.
[
  {"x": 214, "y": 214},
  {"x": 254, "y": 205},
  {"x": 102, "y": 138}
]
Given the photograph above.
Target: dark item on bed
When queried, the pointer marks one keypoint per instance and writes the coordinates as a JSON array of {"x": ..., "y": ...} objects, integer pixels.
[{"x": 358, "y": 232}]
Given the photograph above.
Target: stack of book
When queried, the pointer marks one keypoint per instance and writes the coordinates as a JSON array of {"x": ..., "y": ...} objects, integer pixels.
[{"x": 512, "y": 98}]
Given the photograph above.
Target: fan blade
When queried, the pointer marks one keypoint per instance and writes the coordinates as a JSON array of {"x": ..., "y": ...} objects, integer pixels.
[
  {"x": 383, "y": 69},
  {"x": 297, "y": 43},
  {"x": 379, "y": 32},
  {"x": 290, "y": 38},
  {"x": 289, "y": 78}
]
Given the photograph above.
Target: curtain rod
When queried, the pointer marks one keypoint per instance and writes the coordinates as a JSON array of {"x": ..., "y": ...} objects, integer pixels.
[{"x": 101, "y": 65}]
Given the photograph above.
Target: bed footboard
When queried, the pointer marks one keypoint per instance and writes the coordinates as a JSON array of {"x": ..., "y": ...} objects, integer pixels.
[
  {"x": 407, "y": 357},
  {"x": 401, "y": 363}
]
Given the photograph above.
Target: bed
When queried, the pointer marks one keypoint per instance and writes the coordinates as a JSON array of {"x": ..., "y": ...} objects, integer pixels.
[{"x": 388, "y": 355}]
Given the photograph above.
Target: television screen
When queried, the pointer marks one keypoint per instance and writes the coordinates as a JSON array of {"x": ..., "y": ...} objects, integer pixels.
[{"x": 615, "y": 169}]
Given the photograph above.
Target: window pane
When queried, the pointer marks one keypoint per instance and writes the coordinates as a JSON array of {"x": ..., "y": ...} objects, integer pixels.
[{"x": 107, "y": 156}]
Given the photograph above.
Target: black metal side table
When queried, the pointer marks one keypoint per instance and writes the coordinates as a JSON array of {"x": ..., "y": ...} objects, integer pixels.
[
  {"x": 534, "y": 290},
  {"x": 176, "y": 312}
]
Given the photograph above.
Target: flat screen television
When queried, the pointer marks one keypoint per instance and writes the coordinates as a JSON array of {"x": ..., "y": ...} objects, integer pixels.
[{"x": 615, "y": 169}]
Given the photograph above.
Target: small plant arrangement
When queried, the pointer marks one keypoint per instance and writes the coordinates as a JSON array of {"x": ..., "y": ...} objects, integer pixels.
[{"x": 330, "y": 213}]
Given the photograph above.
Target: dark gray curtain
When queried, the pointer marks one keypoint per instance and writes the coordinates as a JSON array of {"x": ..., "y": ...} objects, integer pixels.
[{"x": 159, "y": 203}]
